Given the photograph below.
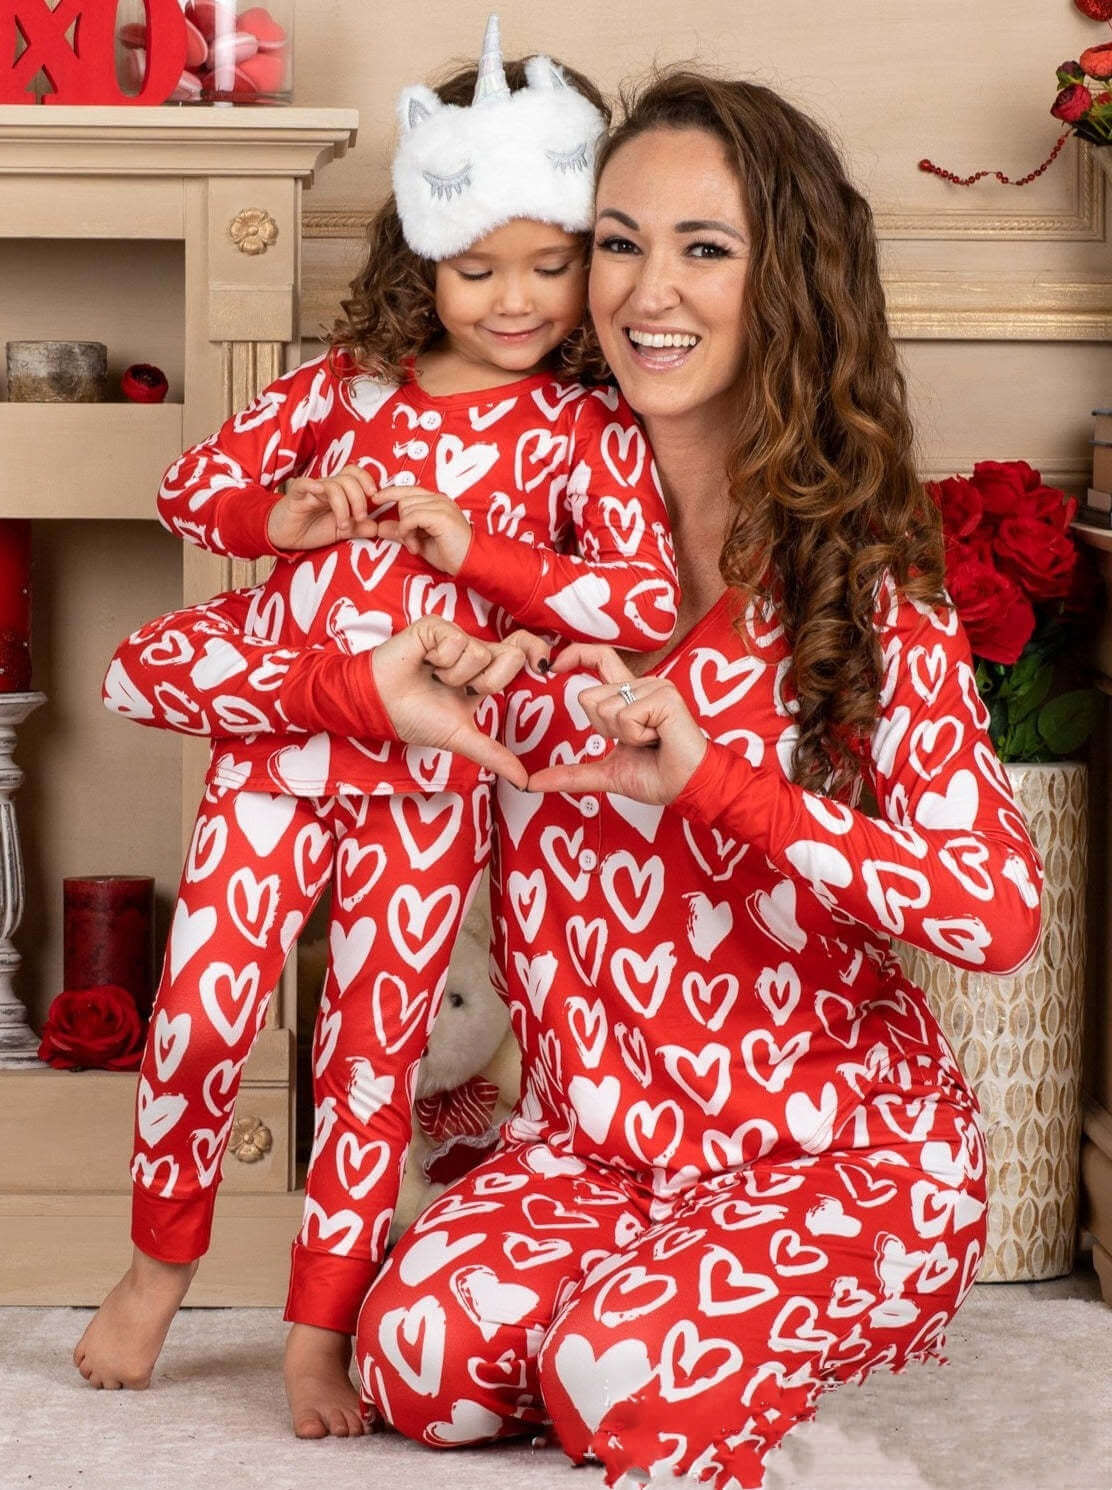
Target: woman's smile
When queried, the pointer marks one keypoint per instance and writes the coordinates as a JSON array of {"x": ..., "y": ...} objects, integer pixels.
[{"x": 659, "y": 350}]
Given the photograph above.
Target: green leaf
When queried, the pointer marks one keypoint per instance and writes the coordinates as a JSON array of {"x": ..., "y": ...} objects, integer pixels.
[
  {"x": 1066, "y": 722},
  {"x": 1026, "y": 740},
  {"x": 1022, "y": 673},
  {"x": 998, "y": 721},
  {"x": 989, "y": 676},
  {"x": 1023, "y": 702}
]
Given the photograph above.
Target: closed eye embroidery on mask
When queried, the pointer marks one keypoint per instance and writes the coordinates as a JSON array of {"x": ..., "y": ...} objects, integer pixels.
[
  {"x": 570, "y": 160},
  {"x": 444, "y": 188}
]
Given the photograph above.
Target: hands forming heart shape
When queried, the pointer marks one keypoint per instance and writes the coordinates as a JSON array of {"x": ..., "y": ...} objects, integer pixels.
[{"x": 433, "y": 676}]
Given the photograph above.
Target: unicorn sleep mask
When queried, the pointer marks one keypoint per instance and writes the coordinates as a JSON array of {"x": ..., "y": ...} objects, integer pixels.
[{"x": 459, "y": 173}]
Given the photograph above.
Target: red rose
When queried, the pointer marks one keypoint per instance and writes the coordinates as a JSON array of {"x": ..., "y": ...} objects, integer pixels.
[
  {"x": 960, "y": 504},
  {"x": 1074, "y": 102},
  {"x": 1096, "y": 10},
  {"x": 1049, "y": 505},
  {"x": 996, "y": 614},
  {"x": 93, "y": 1027},
  {"x": 1003, "y": 484},
  {"x": 1097, "y": 61},
  {"x": 1037, "y": 556}
]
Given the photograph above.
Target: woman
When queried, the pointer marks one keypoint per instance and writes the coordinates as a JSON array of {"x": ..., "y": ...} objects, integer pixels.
[{"x": 745, "y": 1166}]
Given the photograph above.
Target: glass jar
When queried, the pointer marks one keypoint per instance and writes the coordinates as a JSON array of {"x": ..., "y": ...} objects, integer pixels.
[{"x": 236, "y": 51}]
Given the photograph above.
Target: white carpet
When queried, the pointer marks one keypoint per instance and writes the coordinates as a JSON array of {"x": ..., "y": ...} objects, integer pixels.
[{"x": 1026, "y": 1404}]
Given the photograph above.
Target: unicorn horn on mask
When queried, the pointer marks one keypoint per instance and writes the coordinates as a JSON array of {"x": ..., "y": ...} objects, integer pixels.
[{"x": 491, "y": 83}]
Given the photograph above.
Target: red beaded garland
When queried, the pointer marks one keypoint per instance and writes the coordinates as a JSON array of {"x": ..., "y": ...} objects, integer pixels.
[{"x": 929, "y": 165}]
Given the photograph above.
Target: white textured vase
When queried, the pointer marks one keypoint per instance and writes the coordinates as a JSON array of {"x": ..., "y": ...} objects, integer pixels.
[{"x": 1018, "y": 1041}]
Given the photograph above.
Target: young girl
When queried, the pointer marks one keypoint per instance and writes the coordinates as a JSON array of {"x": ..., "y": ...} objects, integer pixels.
[{"x": 438, "y": 466}]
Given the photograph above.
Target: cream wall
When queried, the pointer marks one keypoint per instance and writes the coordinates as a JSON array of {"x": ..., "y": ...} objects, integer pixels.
[{"x": 979, "y": 280}]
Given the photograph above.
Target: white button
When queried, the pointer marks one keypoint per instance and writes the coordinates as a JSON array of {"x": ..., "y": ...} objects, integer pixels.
[
  {"x": 595, "y": 745},
  {"x": 430, "y": 420},
  {"x": 418, "y": 449},
  {"x": 588, "y": 859},
  {"x": 404, "y": 478},
  {"x": 588, "y": 806}
]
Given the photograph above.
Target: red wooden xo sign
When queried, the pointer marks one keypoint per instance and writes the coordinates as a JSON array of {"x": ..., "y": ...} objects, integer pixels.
[{"x": 82, "y": 69}]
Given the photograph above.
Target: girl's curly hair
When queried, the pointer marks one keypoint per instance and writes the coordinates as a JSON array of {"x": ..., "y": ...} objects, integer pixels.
[
  {"x": 826, "y": 503},
  {"x": 390, "y": 316}
]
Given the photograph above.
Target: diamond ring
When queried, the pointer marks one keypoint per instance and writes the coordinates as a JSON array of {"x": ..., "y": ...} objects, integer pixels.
[{"x": 627, "y": 694}]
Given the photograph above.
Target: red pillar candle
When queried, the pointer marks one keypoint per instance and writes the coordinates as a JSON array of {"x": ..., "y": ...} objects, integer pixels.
[
  {"x": 108, "y": 934},
  {"x": 15, "y": 605}
]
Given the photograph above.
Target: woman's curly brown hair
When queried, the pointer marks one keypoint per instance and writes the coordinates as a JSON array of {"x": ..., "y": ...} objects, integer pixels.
[
  {"x": 390, "y": 316},
  {"x": 825, "y": 497}
]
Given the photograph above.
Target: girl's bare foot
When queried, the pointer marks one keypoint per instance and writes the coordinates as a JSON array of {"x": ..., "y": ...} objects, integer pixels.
[
  {"x": 322, "y": 1398},
  {"x": 125, "y": 1335}
]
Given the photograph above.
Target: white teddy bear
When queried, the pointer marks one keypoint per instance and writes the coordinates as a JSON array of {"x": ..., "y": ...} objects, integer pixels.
[{"x": 469, "y": 1078}]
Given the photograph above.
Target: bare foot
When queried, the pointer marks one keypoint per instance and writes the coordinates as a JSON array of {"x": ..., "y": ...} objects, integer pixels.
[
  {"x": 322, "y": 1398},
  {"x": 125, "y": 1335}
]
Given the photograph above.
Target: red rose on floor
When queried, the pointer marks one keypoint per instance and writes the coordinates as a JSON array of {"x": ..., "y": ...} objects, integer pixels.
[
  {"x": 996, "y": 614},
  {"x": 1002, "y": 484},
  {"x": 960, "y": 504},
  {"x": 95, "y": 1028},
  {"x": 1037, "y": 556}
]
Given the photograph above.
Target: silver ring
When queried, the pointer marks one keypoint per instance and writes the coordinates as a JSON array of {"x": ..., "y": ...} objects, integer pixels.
[{"x": 627, "y": 694}]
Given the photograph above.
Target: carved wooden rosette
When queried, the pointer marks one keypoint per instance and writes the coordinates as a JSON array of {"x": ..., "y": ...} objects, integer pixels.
[
  {"x": 1018, "y": 1041},
  {"x": 253, "y": 230},
  {"x": 251, "y": 1139}
]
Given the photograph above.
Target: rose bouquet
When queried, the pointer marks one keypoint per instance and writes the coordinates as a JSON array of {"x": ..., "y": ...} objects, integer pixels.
[
  {"x": 1022, "y": 590},
  {"x": 93, "y": 1028},
  {"x": 1084, "y": 98}
]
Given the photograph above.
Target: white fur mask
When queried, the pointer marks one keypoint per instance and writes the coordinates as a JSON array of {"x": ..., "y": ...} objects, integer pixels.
[{"x": 459, "y": 173}]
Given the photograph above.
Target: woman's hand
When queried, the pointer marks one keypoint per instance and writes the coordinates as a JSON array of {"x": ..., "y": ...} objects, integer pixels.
[
  {"x": 431, "y": 678},
  {"x": 659, "y": 743},
  {"x": 315, "y": 511}
]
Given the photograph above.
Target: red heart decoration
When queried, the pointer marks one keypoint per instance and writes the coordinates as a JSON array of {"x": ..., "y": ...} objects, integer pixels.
[
  {"x": 265, "y": 70},
  {"x": 262, "y": 25}
]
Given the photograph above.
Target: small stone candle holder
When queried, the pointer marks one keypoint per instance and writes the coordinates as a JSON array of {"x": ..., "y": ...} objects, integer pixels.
[{"x": 57, "y": 372}]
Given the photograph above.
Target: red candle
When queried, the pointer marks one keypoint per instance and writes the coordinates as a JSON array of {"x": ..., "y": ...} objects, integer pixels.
[
  {"x": 15, "y": 605},
  {"x": 108, "y": 935}
]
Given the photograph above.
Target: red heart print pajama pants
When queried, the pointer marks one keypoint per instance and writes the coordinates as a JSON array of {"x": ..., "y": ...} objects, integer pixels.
[{"x": 403, "y": 870}]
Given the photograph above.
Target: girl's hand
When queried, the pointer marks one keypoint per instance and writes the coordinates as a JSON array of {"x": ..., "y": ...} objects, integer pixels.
[
  {"x": 315, "y": 511},
  {"x": 429, "y": 525},
  {"x": 431, "y": 678},
  {"x": 659, "y": 743}
]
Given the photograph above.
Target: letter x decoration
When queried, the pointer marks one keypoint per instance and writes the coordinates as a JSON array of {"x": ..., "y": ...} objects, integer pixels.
[{"x": 82, "y": 68}]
